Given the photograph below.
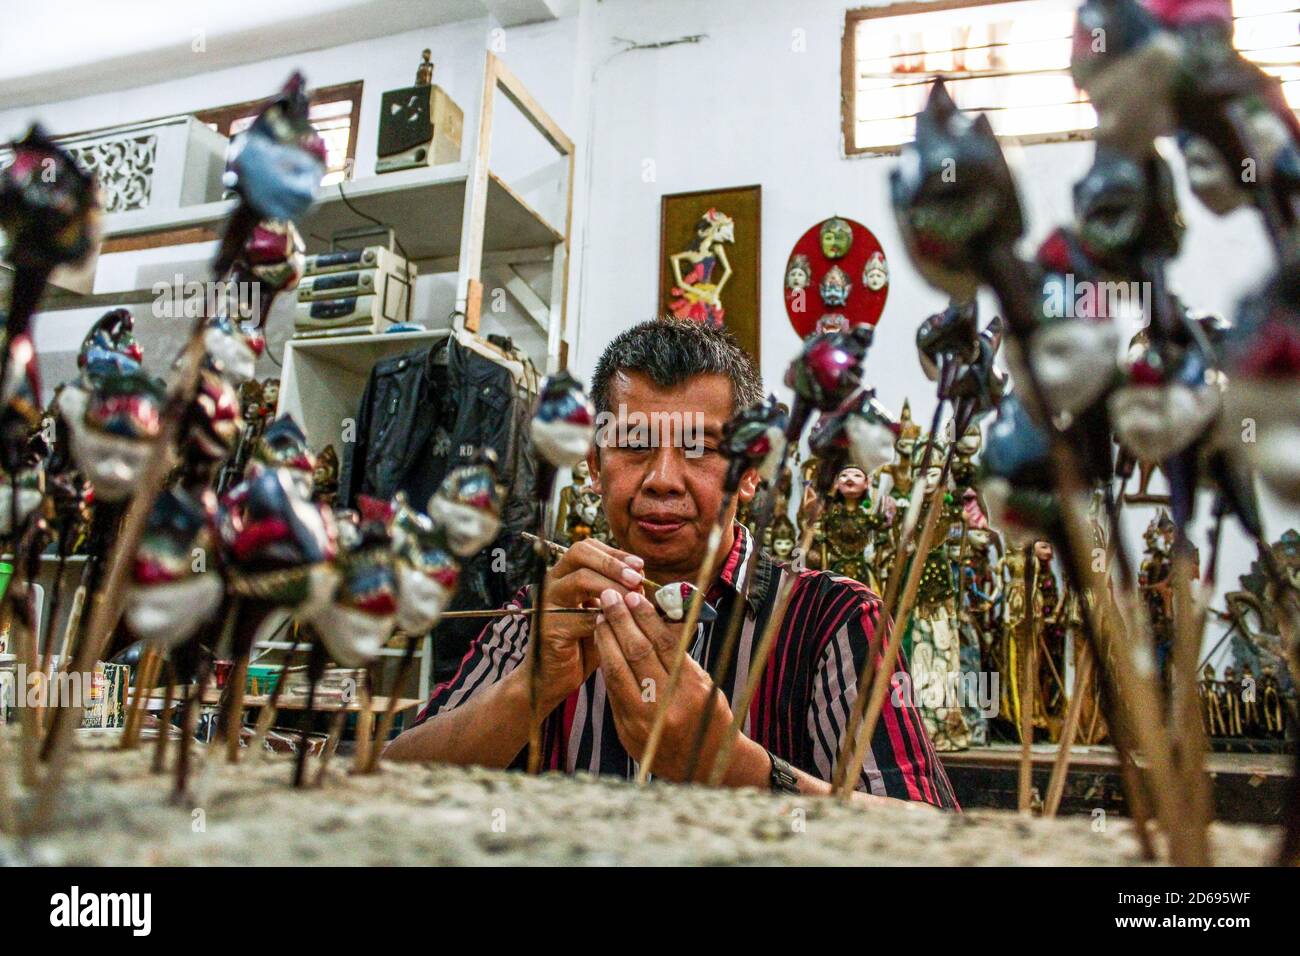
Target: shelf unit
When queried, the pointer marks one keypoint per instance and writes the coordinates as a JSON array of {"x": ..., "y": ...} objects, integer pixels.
[{"x": 457, "y": 218}]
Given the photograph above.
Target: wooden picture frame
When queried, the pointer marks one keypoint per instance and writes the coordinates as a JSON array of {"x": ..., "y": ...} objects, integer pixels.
[{"x": 733, "y": 262}]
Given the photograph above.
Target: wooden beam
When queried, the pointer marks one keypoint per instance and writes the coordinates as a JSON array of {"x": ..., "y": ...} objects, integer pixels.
[{"x": 532, "y": 110}]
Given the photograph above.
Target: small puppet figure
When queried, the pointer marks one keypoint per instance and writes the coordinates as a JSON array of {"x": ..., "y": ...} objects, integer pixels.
[
  {"x": 1051, "y": 694},
  {"x": 1155, "y": 579},
  {"x": 585, "y": 514},
  {"x": 580, "y": 473},
  {"x": 1271, "y": 698},
  {"x": 1231, "y": 702},
  {"x": 933, "y": 639},
  {"x": 846, "y": 522},
  {"x": 1212, "y": 702},
  {"x": 325, "y": 477}
]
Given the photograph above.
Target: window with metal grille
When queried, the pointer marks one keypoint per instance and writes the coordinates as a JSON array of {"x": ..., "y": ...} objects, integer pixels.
[{"x": 1007, "y": 58}]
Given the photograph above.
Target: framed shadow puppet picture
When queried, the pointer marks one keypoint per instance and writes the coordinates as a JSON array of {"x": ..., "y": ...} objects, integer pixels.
[{"x": 709, "y": 254}]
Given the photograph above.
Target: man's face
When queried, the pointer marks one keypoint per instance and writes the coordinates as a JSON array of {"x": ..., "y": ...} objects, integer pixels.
[{"x": 661, "y": 498}]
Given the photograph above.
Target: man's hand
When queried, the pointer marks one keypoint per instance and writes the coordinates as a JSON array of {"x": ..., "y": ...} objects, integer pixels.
[
  {"x": 567, "y": 654},
  {"x": 636, "y": 648}
]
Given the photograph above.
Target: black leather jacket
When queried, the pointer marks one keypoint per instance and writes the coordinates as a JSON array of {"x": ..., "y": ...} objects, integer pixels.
[{"x": 420, "y": 418}]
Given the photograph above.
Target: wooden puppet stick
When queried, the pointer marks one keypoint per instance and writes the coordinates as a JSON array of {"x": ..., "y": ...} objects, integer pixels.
[
  {"x": 545, "y": 485},
  {"x": 315, "y": 670},
  {"x": 232, "y": 702},
  {"x": 69, "y": 630},
  {"x": 146, "y": 673},
  {"x": 762, "y": 651},
  {"x": 8, "y": 818},
  {"x": 365, "y": 742},
  {"x": 722, "y": 664},
  {"x": 1056, "y": 784},
  {"x": 45, "y": 644},
  {"x": 25, "y": 643},
  {"x": 840, "y": 772},
  {"x": 1186, "y": 728},
  {"x": 860, "y": 738},
  {"x": 110, "y": 596},
  {"x": 390, "y": 711},
  {"x": 165, "y": 720},
  {"x": 266, "y": 718},
  {"x": 336, "y": 732},
  {"x": 516, "y": 612},
  {"x": 1028, "y": 686}
]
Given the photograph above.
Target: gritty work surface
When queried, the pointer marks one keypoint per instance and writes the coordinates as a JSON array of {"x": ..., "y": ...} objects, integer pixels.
[{"x": 114, "y": 812}]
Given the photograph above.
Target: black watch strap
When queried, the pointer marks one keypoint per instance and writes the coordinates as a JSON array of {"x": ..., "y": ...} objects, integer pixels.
[{"x": 782, "y": 778}]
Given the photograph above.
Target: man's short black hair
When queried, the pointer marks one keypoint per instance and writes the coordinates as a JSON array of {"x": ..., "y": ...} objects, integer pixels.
[{"x": 670, "y": 351}]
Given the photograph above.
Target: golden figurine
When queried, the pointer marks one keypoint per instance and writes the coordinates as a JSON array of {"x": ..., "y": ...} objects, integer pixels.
[
  {"x": 581, "y": 475},
  {"x": 1232, "y": 702},
  {"x": 1212, "y": 702},
  {"x": 847, "y": 525},
  {"x": 424, "y": 72},
  {"x": 1274, "y": 717},
  {"x": 584, "y": 516},
  {"x": 325, "y": 476},
  {"x": 1048, "y": 604}
]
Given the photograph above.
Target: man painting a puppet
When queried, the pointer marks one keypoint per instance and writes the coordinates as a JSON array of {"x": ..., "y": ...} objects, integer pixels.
[{"x": 661, "y": 499}]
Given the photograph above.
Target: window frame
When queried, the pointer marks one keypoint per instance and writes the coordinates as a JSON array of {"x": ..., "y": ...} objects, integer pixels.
[
  {"x": 849, "y": 68},
  {"x": 224, "y": 116}
]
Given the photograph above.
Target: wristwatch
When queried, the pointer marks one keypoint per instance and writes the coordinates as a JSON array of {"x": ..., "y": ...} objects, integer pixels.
[{"x": 782, "y": 778}]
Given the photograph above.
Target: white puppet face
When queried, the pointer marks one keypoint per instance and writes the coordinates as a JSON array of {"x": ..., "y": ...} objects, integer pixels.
[
  {"x": 851, "y": 483},
  {"x": 932, "y": 476},
  {"x": 562, "y": 443},
  {"x": 231, "y": 353},
  {"x": 1075, "y": 362},
  {"x": 670, "y": 602},
  {"x": 167, "y": 615},
  {"x": 876, "y": 275},
  {"x": 1153, "y": 422},
  {"x": 113, "y": 464},
  {"x": 29, "y": 499},
  {"x": 469, "y": 529},
  {"x": 353, "y": 636},
  {"x": 421, "y": 600}
]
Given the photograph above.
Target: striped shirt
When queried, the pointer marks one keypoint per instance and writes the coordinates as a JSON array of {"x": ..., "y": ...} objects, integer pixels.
[{"x": 803, "y": 701}]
